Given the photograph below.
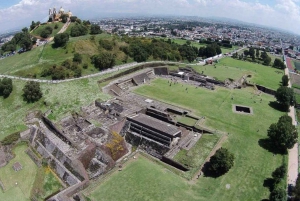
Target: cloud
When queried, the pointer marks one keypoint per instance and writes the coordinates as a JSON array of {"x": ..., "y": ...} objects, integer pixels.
[{"x": 283, "y": 14}]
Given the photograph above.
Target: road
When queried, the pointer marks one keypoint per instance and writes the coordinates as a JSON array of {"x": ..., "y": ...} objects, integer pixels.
[{"x": 293, "y": 153}]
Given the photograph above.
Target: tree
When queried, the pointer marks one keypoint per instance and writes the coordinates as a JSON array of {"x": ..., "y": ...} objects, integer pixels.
[
  {"x": 221, "y": 161},
  {"x": 267, "y": 60},
  {"x": 6, "y": 87},
  {"x": 286, "y": 97},
  {"x": 279, "y": 173},
  {"x": 106, "y": 44},
  {"x": 278, "y": 63},
  {"x": 252, "y": 52},
  {"x": 187, "y": 52},
  {"x": 283, "y": 134},
  {"x": 103, "y": 61},
  {"x": 78, "y": 30},
  {"x": 32, "y": 92},
  {"x": 257, "y": 53},
  {"x": 64, "y": 18},
  {"x": 95, "y": 29},
  {"x": 285, "y": 80},
  {"x": 61, "y": 39},
  {"x": 73, "y": 18},
  {"x": 278, "y": 194},
  {"x": 297, "y": 189},
  {"x": 77, "y": 58}
]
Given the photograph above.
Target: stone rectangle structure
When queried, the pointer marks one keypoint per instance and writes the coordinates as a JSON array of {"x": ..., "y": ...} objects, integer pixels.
[{"x": 154, "y": 129}]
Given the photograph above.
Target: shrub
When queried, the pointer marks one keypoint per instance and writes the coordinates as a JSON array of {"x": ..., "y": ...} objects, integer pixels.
[{"x": 11, "y": 138}]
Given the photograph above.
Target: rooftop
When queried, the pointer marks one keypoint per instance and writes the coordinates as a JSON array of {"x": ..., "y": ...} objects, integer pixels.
[{"x": 155, "y": 124}]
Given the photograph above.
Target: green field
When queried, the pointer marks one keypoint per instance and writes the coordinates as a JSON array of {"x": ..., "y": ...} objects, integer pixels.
[
  {"x": 229, "y": 68},
  {"x": 262, "y": 75},
  {"x": 37, "y": 32},
  {"x": 24, "y": 178},
  {"x": 245, "y": 132},
  {"x": 196, "y": 156},
  {"x": 221, "y": 72},
  {"x": 140, "y": 176}
]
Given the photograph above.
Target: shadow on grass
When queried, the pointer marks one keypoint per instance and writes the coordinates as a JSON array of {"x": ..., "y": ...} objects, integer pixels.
[
  {"x": 207, "y": 171},
  {"x": 269, "y": 183},
  {"x": 275, "y": 105},
  {"x": 268, "y": 145}
]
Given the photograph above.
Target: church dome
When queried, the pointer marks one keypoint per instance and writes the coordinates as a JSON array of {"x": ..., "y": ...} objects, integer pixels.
[{"x": 61, "y": 10}]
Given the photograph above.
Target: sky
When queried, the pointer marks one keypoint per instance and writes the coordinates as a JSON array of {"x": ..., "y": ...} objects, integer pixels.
[{"x": 283, "y": 14}]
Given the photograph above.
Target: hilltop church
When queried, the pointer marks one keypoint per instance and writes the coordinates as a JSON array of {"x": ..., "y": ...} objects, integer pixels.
[{"x": 55, "y": 16}]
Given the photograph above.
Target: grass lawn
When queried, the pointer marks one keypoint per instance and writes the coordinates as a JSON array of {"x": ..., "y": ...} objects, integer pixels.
[
  {"x": 221, "y": 72},
  {"x": 196, "y": 156},
  {"x": 262, "y": 75},
  {"x": 187, "y": 120},
  {"x": 37, "y": 32},
  {"x": 245, "y": 132},
  {"x": 141, "y": 176},
  {"x": 46, "y": 183},
  {"x": 24, "y": 178}
]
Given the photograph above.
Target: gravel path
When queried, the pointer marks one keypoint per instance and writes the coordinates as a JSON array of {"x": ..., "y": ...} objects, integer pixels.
[{"x": 293, "y": 153}]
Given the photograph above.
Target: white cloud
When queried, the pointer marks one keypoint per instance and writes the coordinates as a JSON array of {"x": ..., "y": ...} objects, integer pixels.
[{"x": 285, "y": 14}]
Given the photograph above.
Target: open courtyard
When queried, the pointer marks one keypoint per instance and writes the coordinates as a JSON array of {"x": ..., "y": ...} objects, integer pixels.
[{"x": 253, "y": 163}]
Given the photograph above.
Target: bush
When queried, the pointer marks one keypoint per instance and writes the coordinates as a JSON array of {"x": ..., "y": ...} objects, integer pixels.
[
  {"x": 285, "y": 80},
  {"x": 95, "y": 29},
  {"x": 221, "y": 161},
  {"x": 286, "y": 97},
  {"x": 279, "y": 173},
  {"x": 106, "y": 44},
  {"x": 85, "y": 66},
  {"x": 278, "y": 194},
  {"x": 77, "y": 58},
  {"x": 10, "y": 138},
  {"x": 46, "y": 32},
  {"x": 32, "y": 92},
  {"x": 6, "y": 87},
  {"x": 61, "y": 39},
  {"x": 283, "y": 134},
  {"x": 78, "y": 30}
]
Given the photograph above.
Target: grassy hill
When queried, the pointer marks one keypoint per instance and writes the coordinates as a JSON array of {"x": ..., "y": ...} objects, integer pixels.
[
  {"x": 32, "y": 63},
  {"x": 37, "y": 32}
]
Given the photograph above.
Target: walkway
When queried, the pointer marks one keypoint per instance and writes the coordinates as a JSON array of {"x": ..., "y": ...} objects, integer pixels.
[{"x": 293, "y": 153}]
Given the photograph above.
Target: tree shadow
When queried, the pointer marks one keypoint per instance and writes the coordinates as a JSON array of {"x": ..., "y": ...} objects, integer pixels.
[
  {"x": 269, "y": 183},
  {"x": 207, "y": 171},
  {"x": 275, "y": 105},
  {"x": 268, "y": 145}
]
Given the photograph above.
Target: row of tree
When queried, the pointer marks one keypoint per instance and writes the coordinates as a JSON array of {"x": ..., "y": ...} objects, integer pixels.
[
  {"x": 140, "y": 49},
  {"x": 263, "y": 56},
  {"x": 210, "y": 50}
]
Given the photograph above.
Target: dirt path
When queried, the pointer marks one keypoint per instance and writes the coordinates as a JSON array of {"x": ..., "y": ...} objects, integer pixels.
[
  {"x": 293, "y": 153},
  {"x": 213, "y": 151}
]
